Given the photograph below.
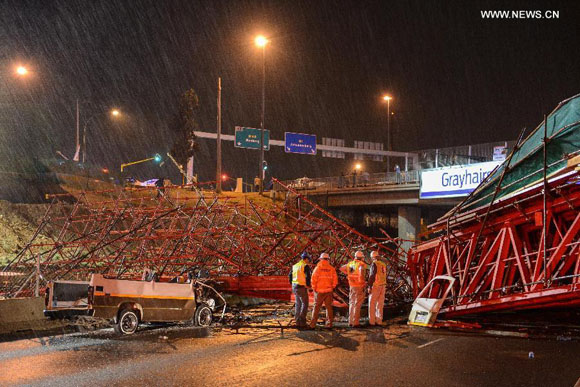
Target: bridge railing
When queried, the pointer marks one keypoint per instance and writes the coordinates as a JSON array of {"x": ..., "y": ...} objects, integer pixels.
[{"x": 358, "y": 181}]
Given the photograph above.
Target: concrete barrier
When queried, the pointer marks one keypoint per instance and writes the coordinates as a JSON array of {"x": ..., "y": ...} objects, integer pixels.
[
  {"x": 21, "y": 309},
  {"x": 21, "y": 314}
]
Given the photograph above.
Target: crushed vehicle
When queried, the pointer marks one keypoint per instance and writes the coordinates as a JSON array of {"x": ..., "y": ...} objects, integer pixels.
[
  {"x": 430, "y": 300},
  {"x": 128, "y": 303}
]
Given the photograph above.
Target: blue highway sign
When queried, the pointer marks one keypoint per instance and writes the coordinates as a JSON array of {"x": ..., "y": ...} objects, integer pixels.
[{"x": 300, "y": 143}]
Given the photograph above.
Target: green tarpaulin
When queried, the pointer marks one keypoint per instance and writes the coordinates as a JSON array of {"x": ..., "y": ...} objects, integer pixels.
[{"x": 527, "y": 163}]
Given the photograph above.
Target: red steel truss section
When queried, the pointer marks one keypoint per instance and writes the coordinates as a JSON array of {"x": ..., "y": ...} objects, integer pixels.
[
  {"x": 246, "y": 242},
  {"x": 506, "y": 268}
]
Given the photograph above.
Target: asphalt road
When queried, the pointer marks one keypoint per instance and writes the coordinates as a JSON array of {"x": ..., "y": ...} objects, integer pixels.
[{"x": 398, "y": 355}]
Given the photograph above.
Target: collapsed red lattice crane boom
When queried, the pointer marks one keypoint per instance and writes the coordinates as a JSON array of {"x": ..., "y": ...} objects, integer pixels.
[
  {"x": 246, "y": 242},
  {"x": 514, "y": 242}
]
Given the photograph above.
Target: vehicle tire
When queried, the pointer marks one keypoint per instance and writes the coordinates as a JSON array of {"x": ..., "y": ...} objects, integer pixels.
[
  {"x": 203, "y": 316},
  {"x": 127, "y": 322}
]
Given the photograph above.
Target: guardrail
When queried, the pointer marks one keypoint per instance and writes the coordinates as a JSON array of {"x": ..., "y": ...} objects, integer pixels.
[{"x": 360, "y": 180}]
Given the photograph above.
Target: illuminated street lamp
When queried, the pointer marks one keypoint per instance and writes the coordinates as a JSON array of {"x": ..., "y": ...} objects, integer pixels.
[
  {"x": 262, "y": 41},
  {"x": 357, "y": 168},
  {"x": 21, "y": 71},
  {"x": 115, "y": 113},
  {"x": 388, "y": 98}
]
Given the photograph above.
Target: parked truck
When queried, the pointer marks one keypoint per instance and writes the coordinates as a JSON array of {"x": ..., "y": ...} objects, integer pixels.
[{"x": 128, "y": 303}]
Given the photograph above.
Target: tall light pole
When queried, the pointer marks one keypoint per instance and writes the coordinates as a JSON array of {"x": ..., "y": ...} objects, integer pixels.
[
  {"x": 262, "y": 41},
  {"x": 218, "y": 171},
  {"x": 388, "y": 98},
  {"x": 115, "y": 113}
]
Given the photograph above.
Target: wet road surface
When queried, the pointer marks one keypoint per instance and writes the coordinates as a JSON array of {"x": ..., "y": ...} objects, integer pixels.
[{"x": 397, "y": 355}]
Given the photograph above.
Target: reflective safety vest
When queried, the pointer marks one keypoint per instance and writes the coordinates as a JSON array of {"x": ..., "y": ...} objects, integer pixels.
[
  {"x": 298, "y": 275},
  {"x": 381, "y": 274},
  {"x": 356, "y": 273}
]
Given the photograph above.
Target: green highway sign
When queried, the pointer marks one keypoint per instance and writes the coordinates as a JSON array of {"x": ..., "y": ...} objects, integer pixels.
[{"x": 250, "y": 138}]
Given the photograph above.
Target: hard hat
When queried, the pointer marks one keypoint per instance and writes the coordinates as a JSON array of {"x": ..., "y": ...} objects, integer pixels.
[
  {"x": 324, "y": 256},
  {"x": 359, "y": 254},
  {"x": 305, "y": 255},
  {"x": 375, "y": 254}
]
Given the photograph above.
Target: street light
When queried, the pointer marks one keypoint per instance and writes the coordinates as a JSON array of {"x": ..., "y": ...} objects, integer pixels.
[
  {"x": 388, "y": 98},
  {"x": 115, "y": 113},
  {"x": 357, "y": 168},
  {"x": 262, "y": 41},
  {"x": 21, "y": 71}
]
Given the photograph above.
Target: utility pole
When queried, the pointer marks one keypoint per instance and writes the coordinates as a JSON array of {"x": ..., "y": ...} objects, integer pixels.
[{"x": 218, "y": 171}]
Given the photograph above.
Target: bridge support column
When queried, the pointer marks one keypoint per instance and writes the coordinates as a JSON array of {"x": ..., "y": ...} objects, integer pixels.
[{"x": 409, "y": 224}]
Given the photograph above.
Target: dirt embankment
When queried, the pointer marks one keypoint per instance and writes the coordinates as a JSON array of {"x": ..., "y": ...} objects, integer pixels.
[{"x": 18, "y": 222}]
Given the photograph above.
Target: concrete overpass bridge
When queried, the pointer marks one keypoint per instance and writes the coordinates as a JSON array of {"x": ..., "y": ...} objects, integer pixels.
[{"x": 378, "y": 201}]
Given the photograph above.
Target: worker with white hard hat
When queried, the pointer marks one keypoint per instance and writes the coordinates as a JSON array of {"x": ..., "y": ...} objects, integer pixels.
[
  {"x": 377, "y": 284},
  {"x": 356, "y": 273},
  {"x": 324, "y": 280}
]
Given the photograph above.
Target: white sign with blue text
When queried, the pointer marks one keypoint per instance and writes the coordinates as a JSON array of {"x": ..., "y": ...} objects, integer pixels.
[{"x": 454, "y": 181}]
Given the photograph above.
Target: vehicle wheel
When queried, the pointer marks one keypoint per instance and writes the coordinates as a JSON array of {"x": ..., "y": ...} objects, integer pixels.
[
  {"x": 203, "y": 316},
  {"x": 127, "y": 322}
]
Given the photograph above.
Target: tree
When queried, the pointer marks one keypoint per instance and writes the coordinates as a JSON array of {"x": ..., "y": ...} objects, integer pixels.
[{"x": 183, "y": 125}]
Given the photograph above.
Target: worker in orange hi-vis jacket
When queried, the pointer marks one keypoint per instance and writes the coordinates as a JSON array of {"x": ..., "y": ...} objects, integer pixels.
[
  {"x": 356, "y": 272},
  {"x": 324, "y": 280}
]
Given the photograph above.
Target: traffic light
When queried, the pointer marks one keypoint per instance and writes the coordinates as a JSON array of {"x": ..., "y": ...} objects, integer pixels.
[
  {"x": 265, "y": 165},
  {"x": 157, "y": 158}
]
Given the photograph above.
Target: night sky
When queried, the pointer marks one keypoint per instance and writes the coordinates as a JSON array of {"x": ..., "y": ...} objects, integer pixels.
[{"x": 455, "y": 78}]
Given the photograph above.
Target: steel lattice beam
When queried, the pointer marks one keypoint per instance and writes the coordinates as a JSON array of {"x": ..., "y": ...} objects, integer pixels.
[{"x": 247, "y": 243}]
